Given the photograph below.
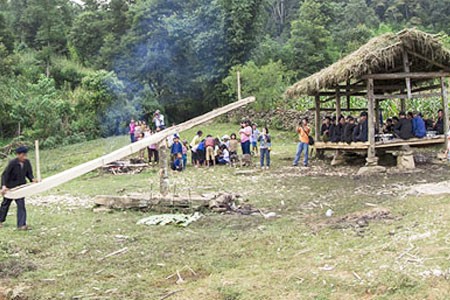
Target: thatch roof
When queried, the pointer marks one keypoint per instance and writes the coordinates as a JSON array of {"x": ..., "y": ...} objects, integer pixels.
[{"x": 382, "y": 54}]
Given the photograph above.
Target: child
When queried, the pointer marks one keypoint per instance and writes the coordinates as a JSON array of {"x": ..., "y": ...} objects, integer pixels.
[
  {"x": 224, "y": 158},
  {"x": 264, "y": 146},
  {"x": 210, "y": 144},
  {"x": 177, "y": 164},
  {"x": 254, "y": 139},
  {"x": 141, "y": 152},
  {"x": 233, "y": 147},
  {"x": 184, "y": 152},
  {"x": 176, "y": 147}
]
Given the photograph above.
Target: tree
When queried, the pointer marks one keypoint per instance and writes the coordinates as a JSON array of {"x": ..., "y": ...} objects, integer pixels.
[
  {"x": 267, "y": 83},
  {"x": 310, "y": 39}
]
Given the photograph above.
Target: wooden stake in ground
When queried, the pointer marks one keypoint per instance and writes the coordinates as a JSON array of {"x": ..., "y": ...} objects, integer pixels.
[
  {"x": 65, "y": 176},
  {"x": 163, "y": 171},
  {"x": 38, "y": 161},
  {"x": 239, "y": 85}
]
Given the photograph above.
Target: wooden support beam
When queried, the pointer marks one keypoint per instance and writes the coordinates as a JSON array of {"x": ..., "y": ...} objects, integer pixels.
[
  {"x": 347, "y": 93},
  {"x": 371, "y": 156},
  {"x": 412, "y": 75},
  {"x": 444, "y": 96},
  {"x": 405, "y": 96},
  {"x": 65, "y": 176},
  {"x": 437, "y": 64},
  {"x": 407, "y": 70},
  {"x": 338, "y": 105},
  {"x": 342, "y": 109},
  {"x": 333, "y": 97},
  {"x": 317, "y": 118},
  {"x": 377, "y": 113}
]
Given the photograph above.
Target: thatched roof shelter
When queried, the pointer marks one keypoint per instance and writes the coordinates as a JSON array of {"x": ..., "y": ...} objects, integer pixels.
[
  {"x": 383, "y": 54},
  {"x": 405, "y": 65}
]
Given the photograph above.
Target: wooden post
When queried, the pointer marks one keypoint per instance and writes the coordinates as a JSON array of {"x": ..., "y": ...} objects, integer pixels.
[
  {"x": 377, "y": 112},
  {"x": 371, "y": 157},
  {"x": 38, "y": 161},
  {"x": 338, "y": 105},
  {"x": 317, "y": 118},
  {"x": 407, "y": 70},
  {"x": 239, "y": 92},
  {"x": 347, "y": 91},
  {"x": 445, "y": 106},
  {"x": 163, "y": 169}
]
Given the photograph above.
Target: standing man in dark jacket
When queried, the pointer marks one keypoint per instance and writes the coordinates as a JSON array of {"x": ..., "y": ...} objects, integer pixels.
[{"x": 16, "y": 174}]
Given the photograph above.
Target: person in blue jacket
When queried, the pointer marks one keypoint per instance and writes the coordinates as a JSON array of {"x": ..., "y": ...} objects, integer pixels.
[{"x": 419, "y": 128}]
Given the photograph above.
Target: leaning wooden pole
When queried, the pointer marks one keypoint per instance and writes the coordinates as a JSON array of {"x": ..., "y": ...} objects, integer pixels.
[{"x": 65, "y": 176}]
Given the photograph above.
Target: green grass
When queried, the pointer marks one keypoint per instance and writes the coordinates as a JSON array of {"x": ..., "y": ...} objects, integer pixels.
[{"x": 235, "y": 257}]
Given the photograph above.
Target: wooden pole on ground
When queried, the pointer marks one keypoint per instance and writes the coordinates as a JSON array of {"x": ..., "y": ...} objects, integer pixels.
[
  {"x": 317, "y": 118},
  {"x": 67, "y": 175},
  {"x": 445, "y": 105},
  {"x": 239, "y": 92},
  {"x": 371, "y": 157},
  {"x": 38, "y": 161}
]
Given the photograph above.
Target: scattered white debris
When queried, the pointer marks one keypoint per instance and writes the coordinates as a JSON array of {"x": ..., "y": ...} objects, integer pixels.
[
  {"x": 182, "y": 220},
  {"x": 329, "y": 213}
]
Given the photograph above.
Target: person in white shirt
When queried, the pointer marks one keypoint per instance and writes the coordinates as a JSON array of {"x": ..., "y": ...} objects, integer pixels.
[
  {"x": 158, "y": 120},
  {"x": 224, "y": 159}
]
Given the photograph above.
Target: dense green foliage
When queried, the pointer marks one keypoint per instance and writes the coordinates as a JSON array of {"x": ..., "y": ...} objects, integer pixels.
[{"x": 69, "y": 73}]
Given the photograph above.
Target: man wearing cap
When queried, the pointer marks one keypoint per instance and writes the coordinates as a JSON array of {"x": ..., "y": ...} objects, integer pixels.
[{"x": 16, "y": 174}]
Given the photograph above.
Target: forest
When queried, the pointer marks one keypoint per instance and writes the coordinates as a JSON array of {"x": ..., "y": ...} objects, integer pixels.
[{"x": 78, "y": 70}]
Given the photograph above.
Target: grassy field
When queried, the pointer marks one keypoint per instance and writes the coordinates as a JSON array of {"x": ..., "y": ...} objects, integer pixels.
[{"x": 301, "y": 254}]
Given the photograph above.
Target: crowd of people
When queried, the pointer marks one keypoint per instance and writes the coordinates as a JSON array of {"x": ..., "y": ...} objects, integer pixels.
[
  {"x": 204, "y": 150},
  {"x": 405, "y": 126}
]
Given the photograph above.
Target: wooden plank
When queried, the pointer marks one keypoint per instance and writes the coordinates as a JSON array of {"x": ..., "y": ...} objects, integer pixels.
[
  {"x": 317, "y": 118},
  {"x": 437, "y": 64},
  {"x": 359, "y": 146},
  {"x": 371, "y": 121},
  {"x": 404, "y": 96},
  {"x": 342, "y": 109},
  {"x": 444, "y": 95},
  {"x": 65, "y": 176},
  {"x": 412, "y": 75}
]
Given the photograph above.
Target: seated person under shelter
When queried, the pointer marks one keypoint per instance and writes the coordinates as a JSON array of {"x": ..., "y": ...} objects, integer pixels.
[
  {"x": 439, "y": 125},
  {"x": 338, "y": 131},
  {"x": 418, "y": 125},
  {"x": 403, "y": 129},
  {"x": 349, "y": 127},
  {"x": 325, "y": 129},
  {"x": 361, "y": 133}
]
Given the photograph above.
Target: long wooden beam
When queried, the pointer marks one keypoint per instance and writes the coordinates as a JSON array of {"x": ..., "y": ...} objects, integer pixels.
[
  {"x": 404, "y": 75},
  {"x": 65, "y": 176},
  {"x": 405, "y": 96},
  {"x": 437, "y": 64}
]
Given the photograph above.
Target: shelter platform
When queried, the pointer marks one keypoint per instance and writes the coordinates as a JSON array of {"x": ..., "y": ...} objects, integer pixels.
[{"x": 359, "y": 146}]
